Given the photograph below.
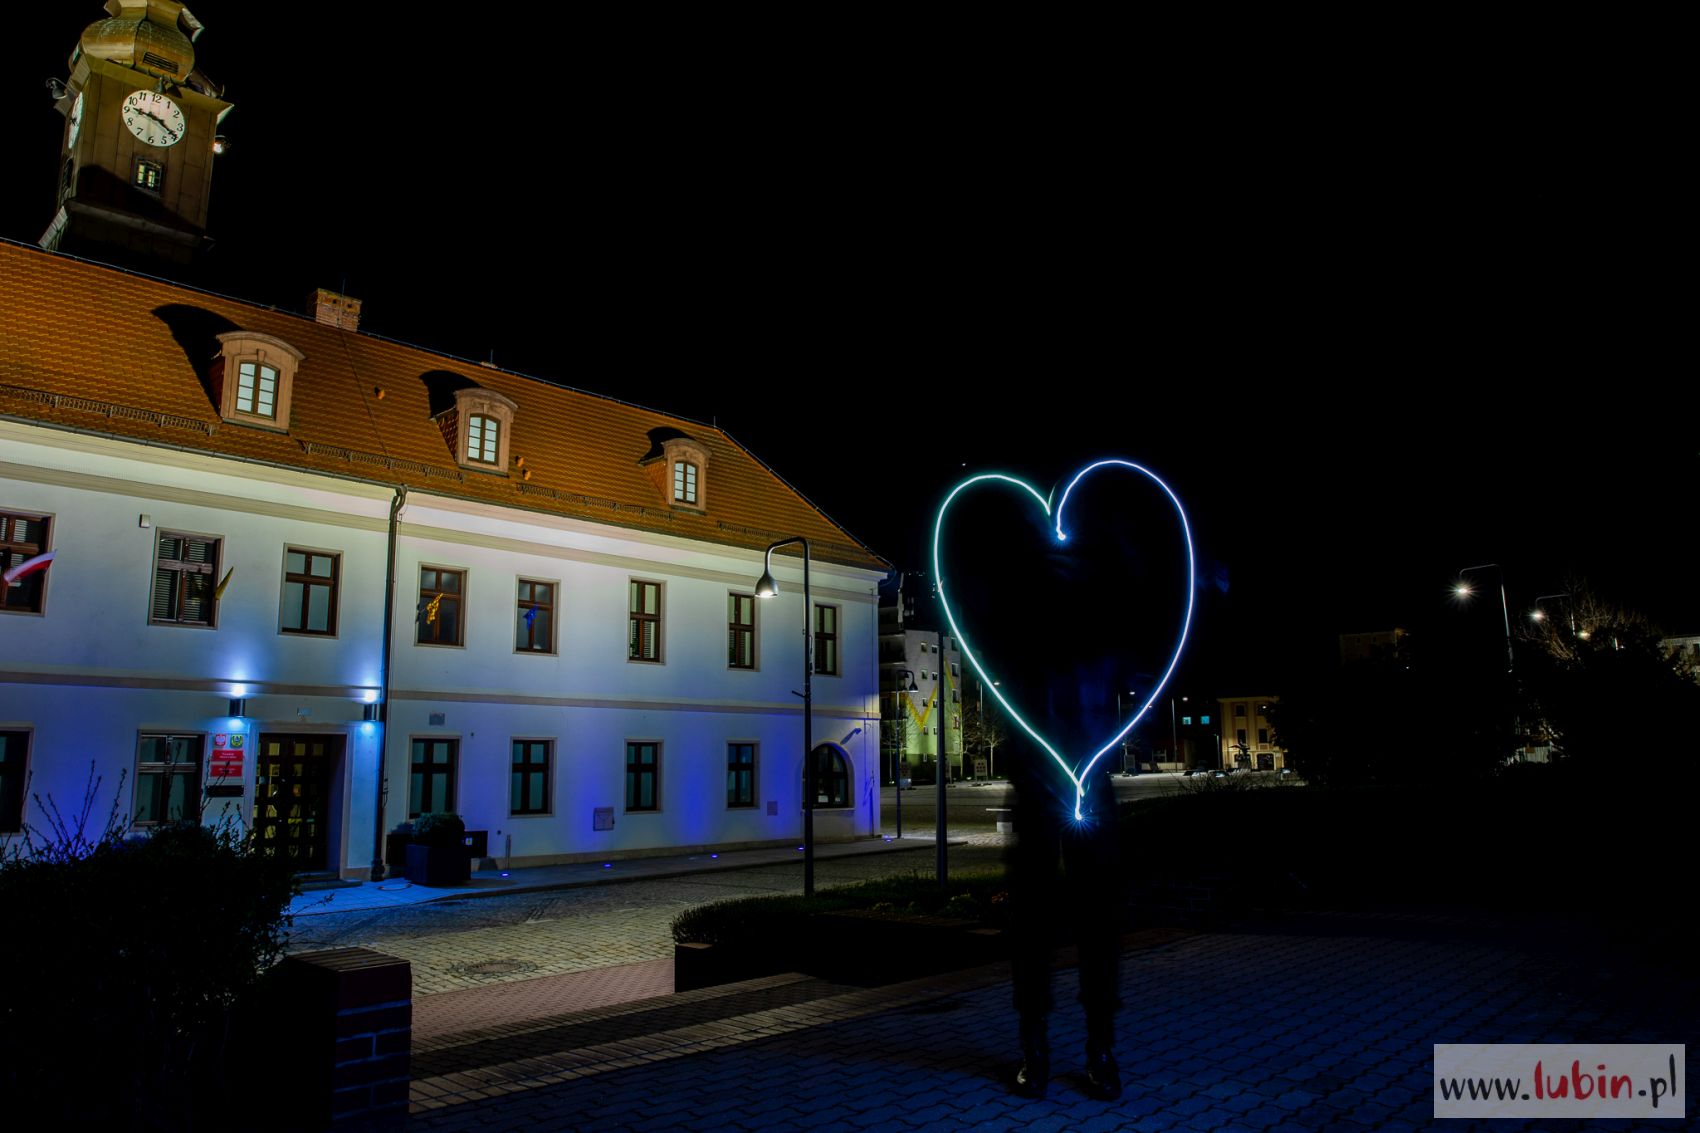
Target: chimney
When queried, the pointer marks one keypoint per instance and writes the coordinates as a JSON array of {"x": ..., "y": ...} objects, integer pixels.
[{"x": 334, "y": 310}]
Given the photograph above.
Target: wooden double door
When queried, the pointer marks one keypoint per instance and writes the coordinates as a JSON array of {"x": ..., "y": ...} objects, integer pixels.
[{"x": 293, "y": 777}]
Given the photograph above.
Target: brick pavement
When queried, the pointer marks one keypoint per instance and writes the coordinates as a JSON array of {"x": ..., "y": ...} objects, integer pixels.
[{"x": 1277, "y": 1030}]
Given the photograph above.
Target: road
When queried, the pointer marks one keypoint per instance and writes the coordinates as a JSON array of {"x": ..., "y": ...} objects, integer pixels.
[{"x": 966, "y": 803}]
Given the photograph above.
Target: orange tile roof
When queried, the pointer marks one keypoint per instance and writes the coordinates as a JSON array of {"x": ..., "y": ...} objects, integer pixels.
[{"x": 104, "y": 351}]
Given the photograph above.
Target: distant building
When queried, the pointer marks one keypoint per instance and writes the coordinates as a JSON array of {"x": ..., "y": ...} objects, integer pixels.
[
  {"x": 920, "y": 689},
  {"x": 1377, "y": 645},
  {"x": 1248, "y": 739}
]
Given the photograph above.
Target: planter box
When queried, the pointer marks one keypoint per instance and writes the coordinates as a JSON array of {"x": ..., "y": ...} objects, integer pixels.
[{"x": 438, "y": 865}]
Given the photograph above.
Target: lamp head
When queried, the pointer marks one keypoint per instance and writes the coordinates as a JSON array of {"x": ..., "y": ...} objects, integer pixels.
[{"x": 766, "y": 587}]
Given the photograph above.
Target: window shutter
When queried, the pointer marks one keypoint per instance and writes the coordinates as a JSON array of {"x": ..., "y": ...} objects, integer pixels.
[{"x": 164, "y": 595}]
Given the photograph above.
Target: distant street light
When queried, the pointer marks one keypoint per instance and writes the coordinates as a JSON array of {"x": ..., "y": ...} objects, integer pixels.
[
  {"x": 766, "y": 587},
  {"x": 1464, "y": 590},
  {"x": 1540, "y": 615}
]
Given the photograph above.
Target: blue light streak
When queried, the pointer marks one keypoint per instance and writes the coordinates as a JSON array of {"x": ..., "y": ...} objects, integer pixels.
[{"x": 1077, "y": 777}]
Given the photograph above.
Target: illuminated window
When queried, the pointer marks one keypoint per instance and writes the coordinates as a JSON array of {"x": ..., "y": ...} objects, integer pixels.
[
  {"x": 1204, "y": 719},
  {"x": 1186, "y": 721},
  {"x": 740, "y": 775},
  {"x": 481, "y": 439},
  {"x": 740, "y": 631},
  {"x": 185, "y": 580},
  {"x": 431, "y": 777},
  {"x": 168, "y": 779},
  {"x": 256, "y": 389},
  {"x": 534, "y": 617},
  {"x": 832, "y": 777},
  {"x": 14, "y": 773},
  {"x": 826, "y": 640},
  {"x": 22, "y": 537},
  {"x": 438, "y": 616},
  {"x": 149, "y": 175},
  {"x": 684, "y": 482},
  {"x": 309, "y": 591},
  {"x": 643, "y": 771},
  {"x": 528, "y": 791},
  {"x": 644, "y": 605}
]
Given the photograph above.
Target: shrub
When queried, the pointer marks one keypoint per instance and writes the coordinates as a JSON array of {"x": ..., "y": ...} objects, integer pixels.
[
  {"x": 439, "y": 829},
  {"x": 128, "y": 958}
]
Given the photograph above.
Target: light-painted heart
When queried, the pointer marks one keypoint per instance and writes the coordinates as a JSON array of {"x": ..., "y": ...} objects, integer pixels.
[{"x": 1079, "y": 768}]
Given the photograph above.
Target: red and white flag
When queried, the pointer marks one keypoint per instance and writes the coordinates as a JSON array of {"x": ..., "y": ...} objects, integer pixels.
[{"x": 29, "y": 566}]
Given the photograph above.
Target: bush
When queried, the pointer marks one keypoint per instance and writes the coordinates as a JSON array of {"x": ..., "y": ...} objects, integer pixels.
[
  {"x": 128, "y": 958},
  {"x": 439, "y": 829}
]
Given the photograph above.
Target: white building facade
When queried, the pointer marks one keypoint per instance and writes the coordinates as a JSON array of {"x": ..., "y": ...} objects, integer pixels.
[{"x": 576, "y": 662}]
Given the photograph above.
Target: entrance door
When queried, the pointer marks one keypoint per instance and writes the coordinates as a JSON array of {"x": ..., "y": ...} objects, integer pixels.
[{"x": 292, "y": 794}]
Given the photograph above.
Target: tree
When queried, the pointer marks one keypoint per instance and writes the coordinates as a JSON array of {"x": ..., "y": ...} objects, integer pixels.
[{"x": 983, "y": 730}]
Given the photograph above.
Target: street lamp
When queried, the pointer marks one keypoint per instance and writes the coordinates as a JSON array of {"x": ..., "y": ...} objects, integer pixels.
[
  {"x": 766, "y": 587},
  {"x": 1540, "y": 615},
  {"x": 1119, "y": 722},
  {"x": 1464, "y": 590},
  {"x": 899, "y": 758}
]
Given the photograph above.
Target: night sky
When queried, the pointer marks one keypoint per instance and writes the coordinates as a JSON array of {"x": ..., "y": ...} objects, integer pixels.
[{"x": 1372, "y": 330}]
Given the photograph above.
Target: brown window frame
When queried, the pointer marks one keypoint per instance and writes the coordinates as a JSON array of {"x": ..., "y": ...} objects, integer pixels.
[
  {"x": 522, "y": 604},
  {"x": 741, "y": 776},
  {"x": 446, "y": 771},
  {"x": 526, "y": 767},
  {"x": 740, "y": 631},
  {"x": 489, "y": 437},
  {"x": 307, "y": 580},
  {"x": 154, "y": 775},
  {"x": 183, "y": 569},
  {"x": 260, "y": 369},
  {"x": 653, "y": 772},
  {"x": 637, "y": 618},
  {"x": 827, "y": 661},
  {"x": 426, "y": 594},
  {"x": 686, "y": 476},
  {"x": 13, "y": 550}
]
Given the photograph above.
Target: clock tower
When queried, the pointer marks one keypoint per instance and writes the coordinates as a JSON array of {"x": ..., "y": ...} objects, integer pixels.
[{"x": 141, "y": 132}]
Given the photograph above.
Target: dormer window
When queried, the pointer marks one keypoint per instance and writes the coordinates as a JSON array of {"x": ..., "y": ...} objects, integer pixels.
[
  {"x": 684, "y": 483},
  {"x": 254, "y": 377},
  {"x": 482, "y": 437},
  {"x": 256, "y": 389},
  {"x": 483, "y": 422},
  {"x": 677, "y": 465}
]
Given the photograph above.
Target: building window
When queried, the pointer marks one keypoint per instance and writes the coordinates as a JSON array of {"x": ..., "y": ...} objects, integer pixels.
[
  {"x": 1239, "y": 737},
  {"x": 740, "y": 775},
  {"x": 439, "y": 614},
  {"x": 168, "y": 779},
  {"x": 185, "y": 581},
  {"x": 534, "y": 617},
  {"x": 254, "y": 375},
  {"x": 481, "y": 434},
  {"x": 826, "y": 640},
  {"x": 309, "y": 591},
  {"x": 150, "y": 175},
  {"x": 256, "y": 389},
  {"x": 1263, "y": 737},
  {"x": 684, "y": 482},
  {"x": 923, "y": 648},
  {"x": 22, "y": 537},
  {"x": 528, "y": 792},
  {"x": 14, "y": 772},
  {"x": 1186, "y": 721},
  {"x": 644, "y": 601},
  {"x": 1204, "y": 719},
  {"x": 643, "y": 776},
  {"x": 431, "y": 785},
  {"x": 832, "y": 778},
  {"x": 1239, "y": 710},
  {"x": 740, "y": 631}
]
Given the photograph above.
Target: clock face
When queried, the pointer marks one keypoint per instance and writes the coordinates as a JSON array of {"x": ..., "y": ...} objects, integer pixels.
[
  {"x": 154, "y": 118},
  {"x": 76, "y": 121}
]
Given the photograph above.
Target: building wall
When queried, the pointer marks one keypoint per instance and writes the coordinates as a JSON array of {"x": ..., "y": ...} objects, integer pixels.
[
  {"x": 90, "y": 673},
  {"x": 1249, "y": 713}
]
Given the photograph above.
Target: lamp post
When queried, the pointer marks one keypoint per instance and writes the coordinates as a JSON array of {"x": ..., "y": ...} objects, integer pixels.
[
  {"x": 1119, "y": 720},
  {"x": 1540, "y": 615},
  {"x": 766, "y": 587},
  {"x": 902, "y": 737},
  {"x": 1463, "y": 590}
]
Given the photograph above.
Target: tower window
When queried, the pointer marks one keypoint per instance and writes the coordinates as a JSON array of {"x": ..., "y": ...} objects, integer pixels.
[{"x": 150, "y": 175}]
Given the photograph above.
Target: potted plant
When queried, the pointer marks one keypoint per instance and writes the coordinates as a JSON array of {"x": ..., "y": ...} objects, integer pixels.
[{"x": 437, "y": 853}]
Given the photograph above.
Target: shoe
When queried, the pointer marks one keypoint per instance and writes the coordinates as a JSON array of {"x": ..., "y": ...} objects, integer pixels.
[
  {"x": 1103, "y": 1078},
  {"x": 1034, "y": 1077}
]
